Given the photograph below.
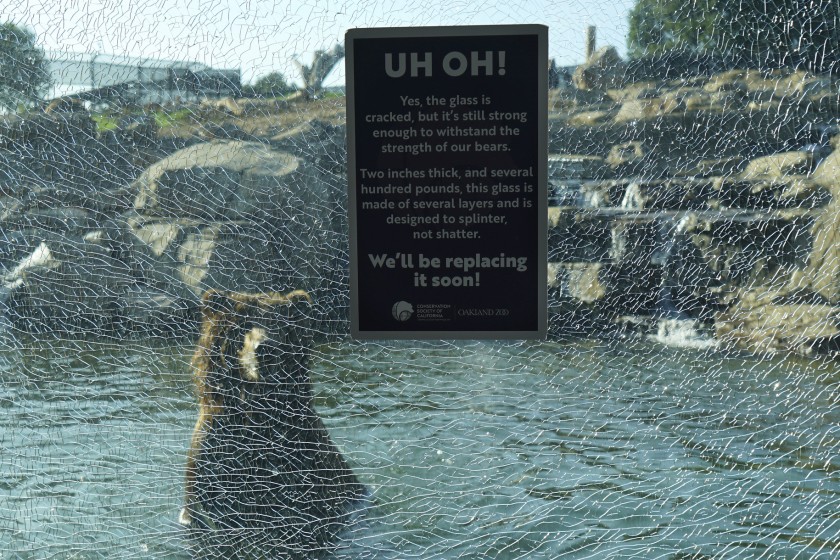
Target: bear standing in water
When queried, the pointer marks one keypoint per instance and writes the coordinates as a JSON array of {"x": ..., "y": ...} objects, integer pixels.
[{"x": 261, "y": 458}]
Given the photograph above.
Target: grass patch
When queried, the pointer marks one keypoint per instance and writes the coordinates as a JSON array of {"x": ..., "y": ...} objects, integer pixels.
[
  {"x": 166, "y": 119},
  {"x": 104, "y": 123},
  {"x": 330, "y": 94}
]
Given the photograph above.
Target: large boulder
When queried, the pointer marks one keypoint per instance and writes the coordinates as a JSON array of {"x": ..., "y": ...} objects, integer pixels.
[
  {"x": 226, "y": 180},
  {"x": 236, "y": 215}
]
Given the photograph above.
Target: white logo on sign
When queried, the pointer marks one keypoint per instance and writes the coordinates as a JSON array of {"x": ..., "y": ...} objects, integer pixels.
[{"x": 402, "y": 311}]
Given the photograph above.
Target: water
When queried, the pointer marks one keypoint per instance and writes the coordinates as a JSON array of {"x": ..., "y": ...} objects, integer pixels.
[{"x": 471, "y": 450}]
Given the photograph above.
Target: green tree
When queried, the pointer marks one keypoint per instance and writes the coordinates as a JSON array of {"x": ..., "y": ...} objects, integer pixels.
[
  {"x": 272, "y": 85},
  {"x": 761, "y": 33},
  {"x": 802, "y": 33},
  {"x": 658, "y": 26},
  {"x": 23, "y": 68}
]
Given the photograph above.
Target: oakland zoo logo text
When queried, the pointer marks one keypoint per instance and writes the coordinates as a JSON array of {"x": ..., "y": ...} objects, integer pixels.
[{"x": 402, "y": 311}]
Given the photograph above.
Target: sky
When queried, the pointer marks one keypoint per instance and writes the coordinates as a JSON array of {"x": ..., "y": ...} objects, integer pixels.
[{"x": 261, "y": 36}]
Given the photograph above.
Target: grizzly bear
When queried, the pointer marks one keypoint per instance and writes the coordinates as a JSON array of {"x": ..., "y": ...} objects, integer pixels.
[{"x": 261, "y": 457}]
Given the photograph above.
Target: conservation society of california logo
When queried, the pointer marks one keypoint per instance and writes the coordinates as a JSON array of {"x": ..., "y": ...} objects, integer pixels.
[{"x": 402, "y": 311}]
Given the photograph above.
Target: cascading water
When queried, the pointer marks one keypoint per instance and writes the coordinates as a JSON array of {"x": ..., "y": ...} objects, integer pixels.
[{"x": 675, "y": 327}]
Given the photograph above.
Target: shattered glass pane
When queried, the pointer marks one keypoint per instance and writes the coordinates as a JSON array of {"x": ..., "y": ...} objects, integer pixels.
[{"x": 177, "y": 378}]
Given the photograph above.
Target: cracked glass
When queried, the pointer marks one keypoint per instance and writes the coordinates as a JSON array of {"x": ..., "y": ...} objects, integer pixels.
[{"x": 177, "y": 373}]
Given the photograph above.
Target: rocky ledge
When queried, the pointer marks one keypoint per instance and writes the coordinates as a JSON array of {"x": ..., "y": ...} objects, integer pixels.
[
  {"x": 701, "y": 210},
  {"x": 708, "y": 201}
]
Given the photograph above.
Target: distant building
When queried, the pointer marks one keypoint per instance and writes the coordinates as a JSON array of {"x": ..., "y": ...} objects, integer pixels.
[{"x": 124, "y": 80}]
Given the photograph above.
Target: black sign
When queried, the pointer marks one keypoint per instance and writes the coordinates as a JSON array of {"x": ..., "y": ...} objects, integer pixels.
[{"x": 447, "y": 130}]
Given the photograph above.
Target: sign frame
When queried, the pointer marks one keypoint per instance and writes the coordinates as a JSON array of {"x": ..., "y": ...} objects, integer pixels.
[{"x": 540, "y": 89}]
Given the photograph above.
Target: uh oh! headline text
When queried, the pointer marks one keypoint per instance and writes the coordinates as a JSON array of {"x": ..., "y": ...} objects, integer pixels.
[{"x": 455, "y": 63}]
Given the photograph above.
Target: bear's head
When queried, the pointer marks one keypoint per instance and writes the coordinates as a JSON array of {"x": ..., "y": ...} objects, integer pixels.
[{"x": 261, "y": 341}]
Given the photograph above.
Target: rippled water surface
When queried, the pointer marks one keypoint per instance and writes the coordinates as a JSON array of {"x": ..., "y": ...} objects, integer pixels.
[{"x": 471, "y": 450}]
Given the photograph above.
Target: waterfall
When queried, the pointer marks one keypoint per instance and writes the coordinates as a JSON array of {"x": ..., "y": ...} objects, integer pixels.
[
  {"x": 674, "y": 326},
  {"x": 685, "y": 333},
  {"x": 634, "y": 198}
]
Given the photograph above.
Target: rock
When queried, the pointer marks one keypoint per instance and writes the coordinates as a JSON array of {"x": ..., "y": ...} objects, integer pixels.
[
  {"x": 256, "y": 219},
  {"x": 799, "y": 328},
  {"x": 579, "y": 281},
  {"x": 827, "y": 173},
  {"x": 224, "y": 131},
  {"x": 74, "y": 221},
  {"x": 576, "y": 236},
  {"x": 66, "y": 289},
  {"x": 632, "y": 289},
  {"x": 602, "y": 194},
  {"x": 48, "y": 148},
  {"x": 626, "y": 154},
  {"x": 260, "y": 107},
  {"x": 697, "y": 100},
  {"x": 574, "y": 98},
  {"x": 765, "y": 106},
  {"x": 604, "y": 70},
  {"x": 10, "y": 209},
  {"x": 231, "y": 255},
  {"x": 227, "y": 104},
  {"x": 802, "y": 83},
  {"x": 125, "y": 151},
  {"x": 802, "y": 192},
  {"x": 37, "y": 130},
  {"x": 187, "y": 257},
  {"x": 40, "y": 258},
  {"x": 779, "y": 166},
  {"x": 575, "y": 293},
  {"x": 729, "y": 101},
  {"x": 633, "y": 159},
  {"x": 576, "y": 166},
  {"x": 638, "y": 90},
  {"x": 137, "y": 131},
  {"x": 705, "y": 168},
  {"x": 590, "y": 118},
  {"x": 225, "y": 180},
  {"x": 15, "y": 246},
  {"x": 794, "y": 191},
  {"x": 95, "y": 285},
  {"x": 727, "y": 82},
  {"x": 823, "y": 270},
  {"x": 633, "y": 242},
  {"x": 109, "y": 202},
  {"x": 665, "y": 195},
  {"x": 321, "y": 143},
  {"x": 648, "y": 108}
]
